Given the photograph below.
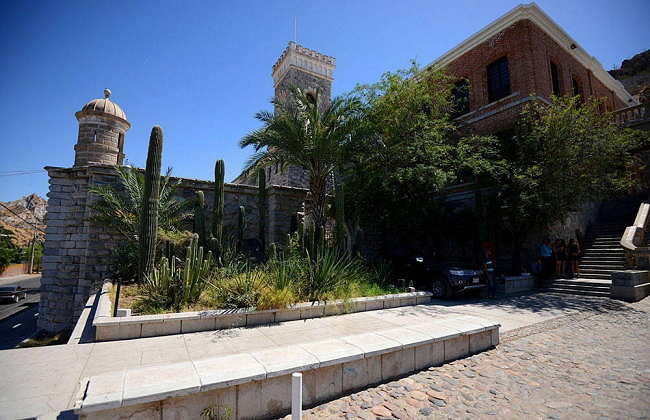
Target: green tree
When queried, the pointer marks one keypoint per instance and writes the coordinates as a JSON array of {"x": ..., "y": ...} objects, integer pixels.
[
  {"x": 561, "y": 156},
  {"x": 411, "y": 151},
  {"x": 9, "y": 252},
  {"x": 119, "y": 207},
  {"x": 306, "y": 131}
]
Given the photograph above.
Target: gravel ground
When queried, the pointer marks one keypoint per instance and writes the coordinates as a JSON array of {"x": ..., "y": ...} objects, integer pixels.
[{"x": 594, "y": 364}]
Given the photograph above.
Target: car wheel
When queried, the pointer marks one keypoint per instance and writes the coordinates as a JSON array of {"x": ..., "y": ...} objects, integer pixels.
[
  {"x": 16, "y": 299},
  {"x": 440, "y": 289}
]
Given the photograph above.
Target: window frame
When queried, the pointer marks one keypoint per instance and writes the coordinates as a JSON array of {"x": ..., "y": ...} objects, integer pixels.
[
  {"x": 501, "y": 69},
  {"x": 556, "y": 79},
  {"x": 576, "y": 86}
]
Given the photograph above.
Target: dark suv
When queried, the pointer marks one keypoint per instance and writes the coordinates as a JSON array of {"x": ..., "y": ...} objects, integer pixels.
[{"x": 445, "y": 279}]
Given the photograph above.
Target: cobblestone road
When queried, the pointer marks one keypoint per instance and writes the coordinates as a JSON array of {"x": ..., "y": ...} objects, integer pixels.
[{"x": 590, "y": 365}]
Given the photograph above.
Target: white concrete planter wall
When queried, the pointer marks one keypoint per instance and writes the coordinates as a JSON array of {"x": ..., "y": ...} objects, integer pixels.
[
  {"x": 257, "y": 385},
  {"x": 109, "y": 328}
]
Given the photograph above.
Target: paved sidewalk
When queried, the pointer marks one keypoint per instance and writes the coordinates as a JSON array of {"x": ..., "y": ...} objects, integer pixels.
[
  {"x": 44, "y": 380},
  {"x": 588, "y": 365}
]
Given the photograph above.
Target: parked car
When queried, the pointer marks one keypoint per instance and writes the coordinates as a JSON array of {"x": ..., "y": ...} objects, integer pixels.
[
  {"x": 14, "y": 293},
  {"x": 443, "y": 278}
]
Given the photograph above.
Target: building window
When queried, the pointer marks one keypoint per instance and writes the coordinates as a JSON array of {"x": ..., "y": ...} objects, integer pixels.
[
  {"x": 575, "y": 85},
  {"x": 555, "y": 78},
  {"x": 498, "y": 78},
  {"x": 460, "y": 94}
]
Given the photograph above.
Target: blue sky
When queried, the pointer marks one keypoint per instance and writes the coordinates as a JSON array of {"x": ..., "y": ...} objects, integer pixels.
[{"x": 201, "y": 69}]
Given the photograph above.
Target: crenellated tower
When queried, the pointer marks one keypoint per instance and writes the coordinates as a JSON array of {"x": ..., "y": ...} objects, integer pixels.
[{"x": 304, "y": 68}]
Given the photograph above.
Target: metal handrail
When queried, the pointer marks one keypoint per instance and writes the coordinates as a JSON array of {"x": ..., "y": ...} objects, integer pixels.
[{"x": 632, "y": 114}]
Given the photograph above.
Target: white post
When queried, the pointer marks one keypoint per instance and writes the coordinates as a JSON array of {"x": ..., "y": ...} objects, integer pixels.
[{"x": 296, "y": 396}]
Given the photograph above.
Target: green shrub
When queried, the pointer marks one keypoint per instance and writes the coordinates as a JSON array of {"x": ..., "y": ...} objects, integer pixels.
[
  {"x": 331, "y": 270},
  {"x": 242, "y": 290},
  {"x": 125, "y": 262}
]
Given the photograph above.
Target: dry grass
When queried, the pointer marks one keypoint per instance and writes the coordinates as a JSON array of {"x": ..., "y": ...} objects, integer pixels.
[{"x": 46, "y": 339}]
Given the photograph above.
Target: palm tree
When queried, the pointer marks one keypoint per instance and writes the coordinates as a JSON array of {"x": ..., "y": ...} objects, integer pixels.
[
  {"x": 120, "y": 210},
  {"x": 305, "y": 132}
]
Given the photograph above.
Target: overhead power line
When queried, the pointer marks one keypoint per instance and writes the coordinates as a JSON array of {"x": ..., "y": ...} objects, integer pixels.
[
  {"x": 21, "y": 172},
  {"x": 20, "y": 217}
]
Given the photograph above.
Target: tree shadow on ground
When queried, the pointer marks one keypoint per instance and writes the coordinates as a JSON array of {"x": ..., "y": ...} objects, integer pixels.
[{"x": 541, "y": 302}]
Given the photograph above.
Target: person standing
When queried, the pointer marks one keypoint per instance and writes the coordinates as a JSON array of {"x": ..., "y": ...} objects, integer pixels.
[
  {"x": 559, "y": 250},
  {"x": 488, "y": 271},
  {"x": 546, "y": 254},
  {"x": 574, "y": 256}
]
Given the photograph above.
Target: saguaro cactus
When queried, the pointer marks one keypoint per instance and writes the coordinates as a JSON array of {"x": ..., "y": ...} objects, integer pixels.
[
  {"x": 199, "y": 218},
  {"x": 150, "y": 200},
  {"x": 241, "y": 226},
  {"x": 217, "y": 210},
  {"x": 261, "y": 205}
]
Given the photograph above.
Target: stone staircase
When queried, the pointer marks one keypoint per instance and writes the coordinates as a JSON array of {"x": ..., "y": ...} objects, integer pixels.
[{"x": 602, "y": 253}]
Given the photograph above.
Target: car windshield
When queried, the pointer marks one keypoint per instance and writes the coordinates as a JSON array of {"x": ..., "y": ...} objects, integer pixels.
[
  {"x": 459, "y": 265},
  {"x": 8, "y": 289}
]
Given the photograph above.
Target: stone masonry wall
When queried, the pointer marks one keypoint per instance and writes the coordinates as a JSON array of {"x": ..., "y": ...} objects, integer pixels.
[{"x": 77, "y": 255}]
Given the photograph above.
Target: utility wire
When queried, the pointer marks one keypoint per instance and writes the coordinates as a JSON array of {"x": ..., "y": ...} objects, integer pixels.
[
  {"x": 20, "y": 217},
  {"x": 25, "y": 172}
]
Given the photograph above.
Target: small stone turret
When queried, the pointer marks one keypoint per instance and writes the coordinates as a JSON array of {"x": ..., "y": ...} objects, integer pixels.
[{"x": 102, "y": 126}]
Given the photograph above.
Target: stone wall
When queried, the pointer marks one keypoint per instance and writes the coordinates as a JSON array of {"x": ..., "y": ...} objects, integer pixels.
[
  {"x": 77, "y": 254},
  {"x": 578, "y": 220}
]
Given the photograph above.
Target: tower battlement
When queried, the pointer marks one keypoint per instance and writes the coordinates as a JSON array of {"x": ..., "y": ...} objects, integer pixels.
[{"x": 309, "y": 61}]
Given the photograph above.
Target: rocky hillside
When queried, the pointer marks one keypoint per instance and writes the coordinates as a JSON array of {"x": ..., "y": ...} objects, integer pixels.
[
  {"x": 634, "y": 73},
  {"x": 31, "y": 209}
]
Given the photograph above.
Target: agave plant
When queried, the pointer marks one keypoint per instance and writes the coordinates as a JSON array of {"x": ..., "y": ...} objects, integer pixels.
[
  {"x": 121, "y": 209},
  {"x": 328, "y": 270}
]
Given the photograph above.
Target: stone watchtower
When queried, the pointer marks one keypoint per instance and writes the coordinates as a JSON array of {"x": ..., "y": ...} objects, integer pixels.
[
  {"x": 102, "y": 126},
  {"x": 303, "y": 68},
  {"x": 308, "y": 70}
]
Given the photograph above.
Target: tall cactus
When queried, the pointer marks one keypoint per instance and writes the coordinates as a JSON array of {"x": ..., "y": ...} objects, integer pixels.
[
  {"x": 199, "y": 219},
  {"x": 217, "y": 209},
  {"x": 261, "y": 205},
  {"x": 150, "y": 201},
  {"x": 241, "y": 227}
]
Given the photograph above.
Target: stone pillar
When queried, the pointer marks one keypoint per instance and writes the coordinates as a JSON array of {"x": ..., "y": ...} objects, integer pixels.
[
  {"x": 630, "y": 285},
  {"x": 77, "y": 252},
  {"x": 64, "y": 250}
]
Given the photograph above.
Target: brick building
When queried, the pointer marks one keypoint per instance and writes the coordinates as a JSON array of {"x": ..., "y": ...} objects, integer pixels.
[{"x": 520, "y": 57}]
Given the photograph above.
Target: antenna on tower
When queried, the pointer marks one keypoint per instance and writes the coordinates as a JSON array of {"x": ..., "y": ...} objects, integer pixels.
[{"x": 295, "y": 29}]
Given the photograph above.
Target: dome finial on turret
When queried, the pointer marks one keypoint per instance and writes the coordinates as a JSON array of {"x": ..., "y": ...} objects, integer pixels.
[{"x": 107, "y": 93}]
